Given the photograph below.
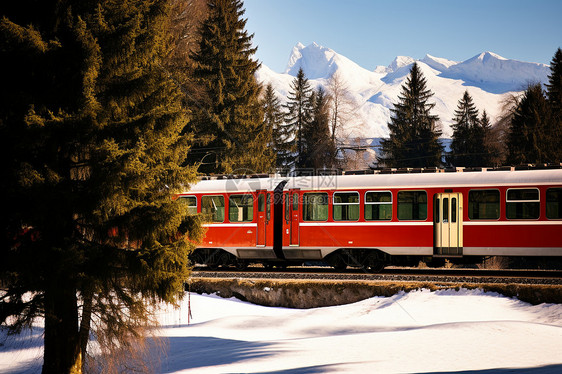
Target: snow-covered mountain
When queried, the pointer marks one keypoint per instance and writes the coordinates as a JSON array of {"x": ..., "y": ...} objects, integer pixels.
[{"x": 487, "y": 77}]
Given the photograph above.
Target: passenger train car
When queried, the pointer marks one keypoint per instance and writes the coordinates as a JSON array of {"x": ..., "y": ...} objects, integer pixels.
[{"x": 374, "y": 220}]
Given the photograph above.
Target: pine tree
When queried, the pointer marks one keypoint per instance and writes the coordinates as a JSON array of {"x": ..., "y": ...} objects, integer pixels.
[
  {"x": 554, "y": 95},
  {"x": 468, "y": 136},
  {"x": 554, "y": 86},
  {"x": 527, "y": 140},
  {"x": 488, "y": 145},
  {"x": 297, "y": 118},
  {"x": 229, "y": 117},
  {"x": 318, "y": 145},
  {"x": 92, "y": 131},
  {"x": 273, "y": 122},
  {"x": 413, "y": 140}
]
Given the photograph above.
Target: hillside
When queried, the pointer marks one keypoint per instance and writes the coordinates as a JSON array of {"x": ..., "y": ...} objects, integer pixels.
[{"x": 488, "y": 77}]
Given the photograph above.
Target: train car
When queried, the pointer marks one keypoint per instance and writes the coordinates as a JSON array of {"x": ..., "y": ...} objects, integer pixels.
[{"x": 374, "y": 220}]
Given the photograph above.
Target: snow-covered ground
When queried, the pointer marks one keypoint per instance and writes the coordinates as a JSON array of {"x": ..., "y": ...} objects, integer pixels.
[{"x": 416, "y": 332}]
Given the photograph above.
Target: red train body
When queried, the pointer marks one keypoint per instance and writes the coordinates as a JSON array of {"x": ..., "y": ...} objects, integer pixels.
[{"x": 374, "y": 220}]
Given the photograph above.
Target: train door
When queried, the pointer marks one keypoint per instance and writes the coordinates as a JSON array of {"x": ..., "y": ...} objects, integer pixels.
[
  {"x": 292, "y": 215},
  {"x": 447, "y": 226},
  {"x": 262, "y": 218}
]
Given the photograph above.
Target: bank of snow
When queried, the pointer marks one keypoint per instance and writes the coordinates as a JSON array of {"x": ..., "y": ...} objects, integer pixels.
[{"x": 420, "y": 331}]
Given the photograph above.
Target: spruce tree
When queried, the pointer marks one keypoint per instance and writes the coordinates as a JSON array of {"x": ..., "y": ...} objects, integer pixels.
[
  {"x": 468, "y": 138},
  {"x": 228, "y": 114},
  {"x": 487, "y": 147},
  {"x": 92, "y": 132},
  {"x": 554, "y": 95},
  {"x": 273, "y": 122},
  {"x": 527, "y": 139},
  {"x": 554, "y": 85},
  {"x": 297, "y": 118},
  {"x": 413, "y": 140},
  {"x": 318, "y": 145}
]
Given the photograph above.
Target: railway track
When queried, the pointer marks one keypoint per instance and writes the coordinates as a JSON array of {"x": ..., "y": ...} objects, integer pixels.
[{"x": 539, "y": 277}]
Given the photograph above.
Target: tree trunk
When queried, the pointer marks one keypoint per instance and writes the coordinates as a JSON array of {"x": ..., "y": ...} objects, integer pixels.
[
  {"x": 61, "y": 343},
  {"x": 85, "y": 323}
]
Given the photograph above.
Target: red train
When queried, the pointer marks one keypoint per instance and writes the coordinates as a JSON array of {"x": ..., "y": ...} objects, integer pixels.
[{"x": 374, "y": 220}]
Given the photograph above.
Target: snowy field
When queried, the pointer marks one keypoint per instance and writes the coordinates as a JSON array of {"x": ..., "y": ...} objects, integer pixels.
[{"x": 416, "y": 332}]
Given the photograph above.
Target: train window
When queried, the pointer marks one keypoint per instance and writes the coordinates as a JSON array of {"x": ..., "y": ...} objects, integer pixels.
[
  {"x": 261, "y": 203},
  {"x": 241, "y": 208},
  {"x": 554, "y": 203},
  {"x": 437, "y": 210},
  {"x": 346, "y": 206},
  {"x": 445, "y": 210},
  {"x": 522, "y": 203},
  {"x": 287, "y": 207},
  {"x": 315, "y": 206},
  {"x": 412, "y": 205},
  {"x": 268, "y": 207},
  {"x": 295, "y": 201},
  {"x": 378, "y": 206},
  {"x": 213, "y": 206},
  {"x": 454, "y": 209},
  {"x": 484, "y": 204},
  {"x": 190, "y": 202}
]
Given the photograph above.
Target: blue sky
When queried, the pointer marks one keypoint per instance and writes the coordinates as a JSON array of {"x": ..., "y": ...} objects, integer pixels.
[{"x": 373, "y": 32}]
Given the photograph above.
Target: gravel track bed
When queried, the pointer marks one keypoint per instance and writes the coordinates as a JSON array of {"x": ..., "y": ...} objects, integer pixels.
[{"x": 530, "y": 277}]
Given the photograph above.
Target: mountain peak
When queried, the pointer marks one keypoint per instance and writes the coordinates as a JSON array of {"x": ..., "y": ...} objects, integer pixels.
[
  {"x": 438, "y": 63},
  {"x": 484, "y": 56},
  {"x": 317, "y": 61},
  {"x": 497, "y": 74},
  {"x": 399, "y": 62}
]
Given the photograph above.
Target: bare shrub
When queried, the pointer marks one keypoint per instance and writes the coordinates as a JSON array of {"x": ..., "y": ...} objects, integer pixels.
[{"x": 494, "y": 263}]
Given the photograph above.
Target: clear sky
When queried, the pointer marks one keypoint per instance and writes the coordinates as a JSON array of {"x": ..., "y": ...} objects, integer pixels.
[{"x": 373, "y": 32}]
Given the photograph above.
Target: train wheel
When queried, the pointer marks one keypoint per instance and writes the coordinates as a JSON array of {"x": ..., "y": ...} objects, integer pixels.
[
  {"x": 337, "y": 262},
  {"x": 340, "y": 266},
  {"x": 373, "y": 264},
  {"x": 241, "y": 265}
]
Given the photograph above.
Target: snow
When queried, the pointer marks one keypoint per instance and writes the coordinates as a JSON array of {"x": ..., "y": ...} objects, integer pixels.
[
  {"x": 420, "y": 331},
  {"x": 488, "y": 77}
]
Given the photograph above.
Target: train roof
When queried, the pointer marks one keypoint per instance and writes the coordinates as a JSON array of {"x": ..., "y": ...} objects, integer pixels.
[
  {"x": 236, "y": 185},
  {"x": 385, "y": 181},
  {"x": 428, "y": 180}
]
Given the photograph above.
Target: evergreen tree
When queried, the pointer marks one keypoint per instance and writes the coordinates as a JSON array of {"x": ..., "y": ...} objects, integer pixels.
[
  {"x": 228, "y": 119},
  {"x": 468, "y": 136},
  {"x": 554, "y": 95},
  {"x": 297, "y": 118},
  {"x": 527, "y": 140},
  {"x": 273, "y": 122},
  {"x": 413, "y": 140},
  {"x": 318, "y": 145},
  {"x": 488, "y": 147},
  {"x": 92, "y": 135},
  {"x": 554, "y": 86}
]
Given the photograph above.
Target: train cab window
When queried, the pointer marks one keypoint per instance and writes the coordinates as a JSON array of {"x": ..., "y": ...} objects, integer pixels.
[
  {"x": 190, "y": 202},
  {"x": 484, "y": 204},
  {"x": 346, "y": 206},
  {"x": 554, "y": 203},
  {"x": 315, "y": 206},
  {"x": 378, "y": 206},
  {"x": 241, "y": 208},
  {"x": 522, "y": 203},
  {"x": 213, "y": 206},
  {"x": 412, "y": 205}
]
